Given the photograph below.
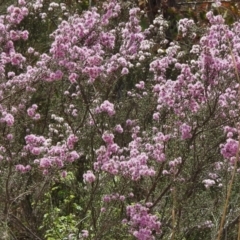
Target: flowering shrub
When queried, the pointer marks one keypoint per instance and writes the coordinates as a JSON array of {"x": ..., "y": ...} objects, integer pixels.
[{"x": 100, "y": 132}]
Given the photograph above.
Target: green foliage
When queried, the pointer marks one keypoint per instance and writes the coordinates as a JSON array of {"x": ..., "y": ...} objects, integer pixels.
[{"x": 61, "y": 211}]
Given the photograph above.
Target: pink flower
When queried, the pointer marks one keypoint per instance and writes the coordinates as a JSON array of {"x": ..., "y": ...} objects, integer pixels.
[
  {"x": 30, "y": 50},
  {"x": 103, "y": 210},
  {"x": 21, "y": 2},
  {"x": 37, "y": 116},
  {"x": 108, "y": 138},
  {"x": 72, "y": 139},
  {"x": 208, "y": 183},
  {"x": 124, "y": 71},
  {"x": 140, "y": 85},
  {"x": 9, "y": 119},
  {"x": 119, "y": 128},
  {"x": 73, "y": 77},
  {"x": 23, "y": 169},
  {"x": 186, "y": 131},
  {"x": 129, "y": 122},
  {"x": 24, "y": 35},
  {"x": 20, "y": 168},
  {"x": 36, "y": 151},
  {"x": 89, "y": 177},
  {"x": 31, "y": 112},
  {"x": 229, "y": 149},
  {"x": 64, "y": 174},
  {"x": 107, "y": 107},
  {"x": 85, "y": 233},
  {"x": 122, "y": 198},
  {"x": 106, "y": 198},
  {"x": 156, "y": 116},
  {"x": 45, "y": 163},
  {"x": 10, "y": 137}
]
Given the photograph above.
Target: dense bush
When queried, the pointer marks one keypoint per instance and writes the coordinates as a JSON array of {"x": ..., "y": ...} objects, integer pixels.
[{"x": 111, "y": 131}]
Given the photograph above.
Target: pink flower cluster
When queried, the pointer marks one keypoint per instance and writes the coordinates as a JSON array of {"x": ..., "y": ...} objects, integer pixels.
[
  {"x": 142, "y": 223},
  {"x": 129, "y": 161},
  {"x": 31, "y": 111},
  {"x": 229, "y": 149},
  {"x": 89, "y": 177},
  {"x": 71, "y": 140},
  {"x": 50, "y": 155},
  {"x": 23, "y": 169},
  {"x": 208, "y": 183},
  {"x": 185, "y": 26},
  {"x": 106, "y": 107},
  {"x": 113, "y": 197},
  {"x": 185, "y": 131},
  {"x": 16, "y": 14},
  {"x": 8, "y": 119},
  {"x": 81, "y": 45}
]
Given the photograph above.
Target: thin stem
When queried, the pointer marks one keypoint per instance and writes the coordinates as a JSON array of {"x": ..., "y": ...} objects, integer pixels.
[
  {"x": 173, "y": 213},
  {"x": 174, "y": 207}
]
